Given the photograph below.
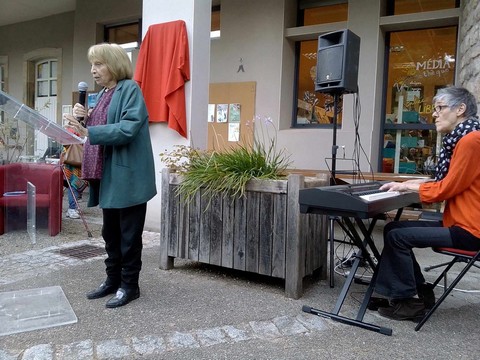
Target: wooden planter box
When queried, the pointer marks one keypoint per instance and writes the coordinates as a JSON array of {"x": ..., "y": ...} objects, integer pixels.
[{"x": 263, "y": 232}]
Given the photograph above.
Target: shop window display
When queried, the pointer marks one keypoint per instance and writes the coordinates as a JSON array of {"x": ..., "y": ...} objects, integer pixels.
[{"x": 419, "y": 63}]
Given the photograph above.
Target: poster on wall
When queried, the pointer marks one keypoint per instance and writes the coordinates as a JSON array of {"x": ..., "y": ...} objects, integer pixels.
[
  {"x": 240, "y": 104},
  {"x": 211, "y": 113},
  {"x": 234, "y": 131},
  {"x": 92, "y": 100},
  {"x": 234, "y": 113},
  {"x": 222, "y": 111}
]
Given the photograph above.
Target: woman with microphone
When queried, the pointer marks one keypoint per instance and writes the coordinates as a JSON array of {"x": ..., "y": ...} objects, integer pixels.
[{"x": 118, "y": 163}]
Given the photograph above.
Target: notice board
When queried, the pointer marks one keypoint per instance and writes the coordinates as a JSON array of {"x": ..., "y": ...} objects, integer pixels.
[{"x": 231, "y": 110}]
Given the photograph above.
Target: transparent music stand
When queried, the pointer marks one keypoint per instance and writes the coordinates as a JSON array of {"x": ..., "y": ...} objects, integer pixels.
[
  {"x": 31, "y": 212},
  {"x": 39, "y": 122},
  {"x": 352, "y": 169},
  {"x": 22, "y": 112}
]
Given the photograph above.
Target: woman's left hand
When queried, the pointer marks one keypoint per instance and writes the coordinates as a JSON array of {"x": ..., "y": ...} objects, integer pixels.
[{"x": 71, "y": 123}]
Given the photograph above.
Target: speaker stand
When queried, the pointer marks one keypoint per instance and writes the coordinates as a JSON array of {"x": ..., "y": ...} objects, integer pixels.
[{"x": 333, "y": 180}]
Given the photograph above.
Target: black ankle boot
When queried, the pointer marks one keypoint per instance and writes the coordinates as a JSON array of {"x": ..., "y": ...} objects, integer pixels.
[
  {"x": 377, "y": 302},
  {"x": 404, "y": 309},
  {"x": 425, "y": 292},
  {"x": 103, "y": 290}
]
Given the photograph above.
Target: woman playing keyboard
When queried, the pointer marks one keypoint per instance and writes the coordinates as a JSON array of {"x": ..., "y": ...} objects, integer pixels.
[{"x": 457, "y": 181}]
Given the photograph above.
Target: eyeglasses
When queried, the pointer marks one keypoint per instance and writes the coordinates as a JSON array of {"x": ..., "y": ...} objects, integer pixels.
[{"x": 439, "y": 108}]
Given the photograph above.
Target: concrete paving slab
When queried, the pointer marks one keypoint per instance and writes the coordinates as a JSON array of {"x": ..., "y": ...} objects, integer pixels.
[{"x": 197, "y": 311}]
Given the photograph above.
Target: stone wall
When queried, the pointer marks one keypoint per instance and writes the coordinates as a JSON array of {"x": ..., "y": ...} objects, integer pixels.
[{"x": 469, "y": 75}]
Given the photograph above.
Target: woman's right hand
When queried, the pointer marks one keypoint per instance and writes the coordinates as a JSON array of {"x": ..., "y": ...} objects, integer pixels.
[{"x": 79, "y": 111}]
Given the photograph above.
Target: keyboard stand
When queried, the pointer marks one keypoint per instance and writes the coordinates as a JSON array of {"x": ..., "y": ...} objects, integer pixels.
[
  {"x": 331, "y": 240},
  {"x": 362, "y": 242}
]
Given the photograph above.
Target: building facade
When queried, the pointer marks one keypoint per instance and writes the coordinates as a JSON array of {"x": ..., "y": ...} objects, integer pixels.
[{"x": 404, "y": 56}]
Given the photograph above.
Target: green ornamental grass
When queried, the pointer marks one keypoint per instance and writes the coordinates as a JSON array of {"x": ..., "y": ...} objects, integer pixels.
[{"x": 229, "y": 171}]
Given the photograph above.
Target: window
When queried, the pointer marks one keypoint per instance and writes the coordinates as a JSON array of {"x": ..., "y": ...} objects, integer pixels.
[
  {"x": 2, "y": 77},
  {"x": 399, "y": 7},
  {"x": 215, "y": 22},
  {"x": 124, "y": 34},
  {"x": 317, "y": 15},
  {"x": 419, "y": 63},
  {"x": 46, "y": 78},
  {"x": 314, "y": 109}
]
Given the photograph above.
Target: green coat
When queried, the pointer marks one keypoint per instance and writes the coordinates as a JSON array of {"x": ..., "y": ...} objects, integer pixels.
[{"x": 128, "y": 177}]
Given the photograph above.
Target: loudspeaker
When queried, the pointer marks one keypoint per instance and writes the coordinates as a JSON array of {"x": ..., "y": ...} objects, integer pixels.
[{"x": 337, "y": 62}]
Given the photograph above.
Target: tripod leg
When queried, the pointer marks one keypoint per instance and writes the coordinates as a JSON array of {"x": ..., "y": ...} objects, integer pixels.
[{"x": 76, "y": 203}]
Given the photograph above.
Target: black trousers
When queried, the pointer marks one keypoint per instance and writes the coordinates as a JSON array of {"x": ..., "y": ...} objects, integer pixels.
[
  {"x": 122, "y": 231},
  {"x": 398, "y": 271}
]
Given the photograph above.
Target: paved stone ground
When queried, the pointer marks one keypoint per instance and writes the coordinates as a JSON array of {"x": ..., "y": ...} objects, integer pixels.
[
  {"x": 39, "y": 262},
  {"x": 151, "y": 345},
  {"x": 203, "y": 312},
  {"x": 44, "y": 258}
]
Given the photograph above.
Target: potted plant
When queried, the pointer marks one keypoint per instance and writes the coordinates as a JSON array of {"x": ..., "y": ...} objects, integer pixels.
[{"x": 239, "y": 209}]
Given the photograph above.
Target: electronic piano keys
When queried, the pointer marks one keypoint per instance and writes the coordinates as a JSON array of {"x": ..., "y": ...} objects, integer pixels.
[{"x": 358, "y": 200}]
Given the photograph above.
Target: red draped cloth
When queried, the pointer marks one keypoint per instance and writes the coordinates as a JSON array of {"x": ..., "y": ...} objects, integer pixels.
[{"x": 161, "y": 72}]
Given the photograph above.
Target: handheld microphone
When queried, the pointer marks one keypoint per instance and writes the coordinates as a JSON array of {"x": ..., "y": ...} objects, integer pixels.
[{"x": 82, "y": 95}]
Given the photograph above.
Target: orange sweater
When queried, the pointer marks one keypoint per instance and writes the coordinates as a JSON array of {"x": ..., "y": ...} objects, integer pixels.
[
  {"x": 161, "y": 72},
  {"x": 461, "y": 186}
]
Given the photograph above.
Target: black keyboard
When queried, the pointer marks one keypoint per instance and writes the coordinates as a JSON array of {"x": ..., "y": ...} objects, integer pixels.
[{"x": 360, "y": 200}]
